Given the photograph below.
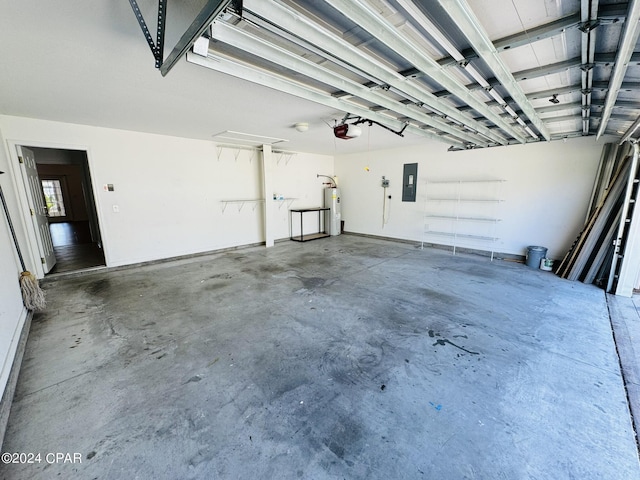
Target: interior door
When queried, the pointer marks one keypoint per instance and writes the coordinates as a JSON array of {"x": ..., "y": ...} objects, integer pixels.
[{"x": 38, "y": 208}]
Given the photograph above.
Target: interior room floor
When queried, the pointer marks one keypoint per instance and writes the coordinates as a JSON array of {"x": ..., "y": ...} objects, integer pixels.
[
  {"x": 69, "y": 233},
  {"x": 346, "y": 357},
  {"x": 73, "y": 247}
]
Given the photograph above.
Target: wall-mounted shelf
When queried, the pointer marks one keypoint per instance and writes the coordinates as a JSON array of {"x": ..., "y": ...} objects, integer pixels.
[
  {"x": 255, "y": 201},
  {"x": 442, "y": 182},
  {"x": 241, "y": 203},
  {"x": 469, "y": 219},
  {"x": 462, "y": 200},
  {"x": 236, "y": 151},
  {"x": 462, "y": 235},
  {"x": 282, "y": 155},
  {"x": 462, "y": 213},
  {"x": 284, "y": 201}
]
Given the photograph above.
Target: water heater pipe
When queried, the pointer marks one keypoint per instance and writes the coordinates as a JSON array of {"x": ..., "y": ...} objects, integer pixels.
[{"x": 335, "y": 185}]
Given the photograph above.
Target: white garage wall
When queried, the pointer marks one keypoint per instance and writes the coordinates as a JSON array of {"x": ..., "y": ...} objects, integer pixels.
[
  {"x": 12, "y": 312},
  {"x": 296, "y": 178},
  {"x": 169, "y": 191},
  {"x": 546, "y": 193}
]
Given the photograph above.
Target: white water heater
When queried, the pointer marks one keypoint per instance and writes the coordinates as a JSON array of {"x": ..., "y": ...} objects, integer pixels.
[{"x": 333, "y": 216}]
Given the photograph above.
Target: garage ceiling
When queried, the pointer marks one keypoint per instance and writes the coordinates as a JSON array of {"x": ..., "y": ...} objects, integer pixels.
[
  {"x": 88, "y": 63},
  {"x": 470, "y": 73}
]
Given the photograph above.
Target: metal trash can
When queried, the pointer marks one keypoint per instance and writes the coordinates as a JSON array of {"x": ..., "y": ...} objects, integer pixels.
[{"x": 535, "y": 255}]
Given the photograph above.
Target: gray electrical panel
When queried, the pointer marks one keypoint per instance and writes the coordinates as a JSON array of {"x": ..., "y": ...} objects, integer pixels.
[{"x": 409, "y": 181}]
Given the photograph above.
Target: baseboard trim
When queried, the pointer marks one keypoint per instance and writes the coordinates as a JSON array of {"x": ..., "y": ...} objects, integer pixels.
[
  {"x": 510, "y": 257},
  {"x": 381, "y": 237},
  {"x": 189, "y": 256}
]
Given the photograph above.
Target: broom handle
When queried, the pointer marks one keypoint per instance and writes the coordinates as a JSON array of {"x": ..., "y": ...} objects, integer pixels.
[{"x": 13, "y": 232}]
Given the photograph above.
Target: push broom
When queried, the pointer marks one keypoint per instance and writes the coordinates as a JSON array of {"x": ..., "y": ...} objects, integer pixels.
[{"x": 32, "y": 294}]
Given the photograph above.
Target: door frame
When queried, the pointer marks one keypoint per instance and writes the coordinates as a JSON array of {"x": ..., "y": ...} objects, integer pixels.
[{"x": 31, "y": 253}]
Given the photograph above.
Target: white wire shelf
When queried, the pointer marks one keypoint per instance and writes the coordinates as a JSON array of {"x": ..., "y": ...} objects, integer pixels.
[
  {"x": 241, "y": 203},
  {"x": 460, "y": 235},
  {"x": 463, "y": 211},
  {"x": 470, "y": 219},
  {"x": 461, "y": 200},
  {"x": 453, "y": 182}
]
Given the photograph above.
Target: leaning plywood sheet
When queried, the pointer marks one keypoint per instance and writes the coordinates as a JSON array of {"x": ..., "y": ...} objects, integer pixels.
[
  {"x": 600, "y": 255},
  {"x": 594, "y": 239},
  {"x": 569, "y": 258},
  {"x": 595, "y": 221},
  {"x": 612, "y": 156},
  {"x": 602, "y": 223}
]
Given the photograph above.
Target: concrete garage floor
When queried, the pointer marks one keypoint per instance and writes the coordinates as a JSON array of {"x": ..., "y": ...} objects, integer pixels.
[{"x": 346, "y": 357}]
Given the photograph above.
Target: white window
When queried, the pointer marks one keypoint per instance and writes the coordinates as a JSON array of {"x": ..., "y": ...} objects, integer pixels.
[{"x": 53, "y": 198}]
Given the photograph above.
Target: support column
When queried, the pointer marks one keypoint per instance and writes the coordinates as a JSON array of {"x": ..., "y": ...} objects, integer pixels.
[{"x": 267, "y": 191}]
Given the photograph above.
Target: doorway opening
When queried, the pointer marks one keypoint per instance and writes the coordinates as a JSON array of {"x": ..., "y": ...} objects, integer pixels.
[{"x": 70, "y": 208}]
